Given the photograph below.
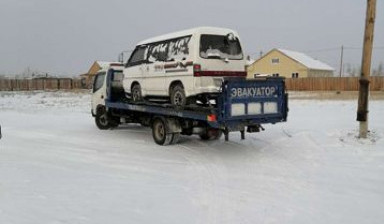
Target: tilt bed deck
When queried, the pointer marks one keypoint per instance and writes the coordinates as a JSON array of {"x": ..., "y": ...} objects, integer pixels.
[{"x": 242, "y": 104}]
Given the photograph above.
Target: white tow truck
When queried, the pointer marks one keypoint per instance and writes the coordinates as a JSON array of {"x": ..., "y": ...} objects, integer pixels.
[{"x": 241, "y": 105}]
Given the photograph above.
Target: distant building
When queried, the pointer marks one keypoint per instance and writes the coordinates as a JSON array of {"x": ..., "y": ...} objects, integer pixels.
[
  {"x": 289, "y": 64},
  {"x": 87, "y": 78}
]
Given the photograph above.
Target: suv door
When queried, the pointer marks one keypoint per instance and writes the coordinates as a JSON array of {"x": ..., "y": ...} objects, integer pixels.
[
  {"x": 155, "y": 77},
  {"x": 135, "y": 69}
]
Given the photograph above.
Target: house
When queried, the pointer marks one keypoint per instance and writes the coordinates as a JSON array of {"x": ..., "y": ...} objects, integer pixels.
[
  {"x": 289, "y": 64},
  {"x": 87, "y": 78}
]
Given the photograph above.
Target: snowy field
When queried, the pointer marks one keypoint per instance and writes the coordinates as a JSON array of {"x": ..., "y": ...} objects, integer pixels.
[{"x": 57, "y": 167}]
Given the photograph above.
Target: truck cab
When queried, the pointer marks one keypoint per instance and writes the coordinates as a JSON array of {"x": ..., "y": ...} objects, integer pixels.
[{"x": 100, "y": 91}]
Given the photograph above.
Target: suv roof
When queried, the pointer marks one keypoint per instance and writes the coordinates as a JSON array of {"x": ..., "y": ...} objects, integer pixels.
[{"x": 207, "y": 30}]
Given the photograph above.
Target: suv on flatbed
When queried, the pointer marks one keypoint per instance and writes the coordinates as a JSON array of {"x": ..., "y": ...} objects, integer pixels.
[{"x": 184, "y": 66}]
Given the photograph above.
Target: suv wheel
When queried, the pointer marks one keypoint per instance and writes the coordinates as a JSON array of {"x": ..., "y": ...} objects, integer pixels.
[
  {"x": 178, "y": 96},
  {"x": 136, "y": 93}
]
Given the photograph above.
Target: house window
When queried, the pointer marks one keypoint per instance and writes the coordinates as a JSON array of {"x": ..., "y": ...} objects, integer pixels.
[
  {"x": 295, "y": 75},
  {"x": 275, "y": 61}
]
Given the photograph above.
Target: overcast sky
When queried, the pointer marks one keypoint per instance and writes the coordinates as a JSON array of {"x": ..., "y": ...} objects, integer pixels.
[{"x": 66, "y": 36}]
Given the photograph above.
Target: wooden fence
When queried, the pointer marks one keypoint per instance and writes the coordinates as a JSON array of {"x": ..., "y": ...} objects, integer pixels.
[
  {"x": 298, "y": 84},
  {"x": 41, "y": 84},
  {"x": 332, "y": 84}
]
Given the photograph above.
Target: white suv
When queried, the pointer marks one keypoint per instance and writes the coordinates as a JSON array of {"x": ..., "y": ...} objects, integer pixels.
[{"x": 184, "y": 66}]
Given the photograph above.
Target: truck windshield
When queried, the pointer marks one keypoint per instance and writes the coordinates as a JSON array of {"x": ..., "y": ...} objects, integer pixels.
[
  {"x": 99, "y": 81},
  {"x": 218, "y": 47}
]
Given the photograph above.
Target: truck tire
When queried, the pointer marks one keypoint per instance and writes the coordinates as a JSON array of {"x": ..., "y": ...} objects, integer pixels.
[
  {"x": 177, "y": 96},
  {"x": 211, "y": 134},
  {"x": 159, "y": 132},
  {"x": 103, "y": 121},
  {"x": 175, "y": 138},
  {"x": 136, "y": 93}
]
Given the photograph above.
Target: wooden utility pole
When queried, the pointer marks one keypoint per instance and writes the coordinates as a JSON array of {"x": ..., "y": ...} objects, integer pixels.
[
  {"x": 341, "y": 68},
  {"x": 362, "y": 109},
  {"x": 341, "y": 61}
]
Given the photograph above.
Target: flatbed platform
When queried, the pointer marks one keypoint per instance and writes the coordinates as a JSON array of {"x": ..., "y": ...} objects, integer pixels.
[{"x": 241, "y": 105}]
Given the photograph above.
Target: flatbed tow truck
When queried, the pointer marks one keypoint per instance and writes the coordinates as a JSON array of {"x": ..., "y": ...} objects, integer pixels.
[{"x": 242, "y": 105}]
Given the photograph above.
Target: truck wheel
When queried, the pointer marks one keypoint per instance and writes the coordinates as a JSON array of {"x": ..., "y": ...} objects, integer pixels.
[
  {"x": 136, "y": 93},
  {"x": 103, "y": 121},
  {"x": 178, "y": 96},
  {"x": 175, "y": 138},
  {"x": 211, "y": 134},
  {"x": 159, "y": 132}
]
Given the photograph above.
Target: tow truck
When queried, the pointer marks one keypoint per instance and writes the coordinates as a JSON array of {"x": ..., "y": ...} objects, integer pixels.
[{"x": 242, "y": 105}]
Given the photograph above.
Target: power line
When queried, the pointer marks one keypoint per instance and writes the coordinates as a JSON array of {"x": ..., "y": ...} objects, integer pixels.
[
  {"x": 323, "y": 49},
  {"x": 328, "y": 49},
  {"x": 345, "y": 48}
]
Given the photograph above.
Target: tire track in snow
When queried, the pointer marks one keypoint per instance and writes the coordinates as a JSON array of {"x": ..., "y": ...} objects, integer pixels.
[
  {"x": 258, "y": 159},
  {"x": 210, "y": 181}
]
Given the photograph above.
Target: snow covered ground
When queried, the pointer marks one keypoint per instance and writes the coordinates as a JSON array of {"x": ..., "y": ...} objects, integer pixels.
[{"x": 57, "y": 167}]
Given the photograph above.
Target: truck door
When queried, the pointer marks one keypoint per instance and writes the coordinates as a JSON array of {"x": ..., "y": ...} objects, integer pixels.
[{"x": 98, "y": 91}]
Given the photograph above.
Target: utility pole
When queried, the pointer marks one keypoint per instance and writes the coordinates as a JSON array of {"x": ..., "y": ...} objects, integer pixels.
[
  {"x": 341, "y": 61},
  {"x": 341, "y": 68},
  {"x": 121, "y": 55},
  {"x": 362, "y": 109}
]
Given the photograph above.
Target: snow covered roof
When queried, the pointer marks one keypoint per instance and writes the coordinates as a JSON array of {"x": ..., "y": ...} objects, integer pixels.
[
  {"x": 250, "y": 61},
  {"x": 208, "y": 30},
  {"x": 103, "y": 64},
  {"x": 99, "y": 65},
  {"x": 306, "y": 60}
]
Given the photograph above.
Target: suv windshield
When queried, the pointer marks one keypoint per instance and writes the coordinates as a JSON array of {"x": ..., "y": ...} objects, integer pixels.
[{"x": 219, "y": 47}]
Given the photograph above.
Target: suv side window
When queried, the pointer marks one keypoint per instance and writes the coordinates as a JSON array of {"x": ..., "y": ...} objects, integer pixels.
[
  {"x": 138, "y": 56},
  {"x": 99, "y": 81},
  {"x": 158, "y": 52},
  {"x": 178, "y": 49}
]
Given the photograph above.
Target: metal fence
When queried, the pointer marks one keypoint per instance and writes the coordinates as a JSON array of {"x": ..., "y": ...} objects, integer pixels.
[
  {"x": 41, "y": 84},
  {"x": 332, "y": 84}
]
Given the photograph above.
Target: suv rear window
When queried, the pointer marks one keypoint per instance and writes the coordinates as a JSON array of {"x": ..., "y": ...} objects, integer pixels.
[{"x": 219, "y": 47}]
